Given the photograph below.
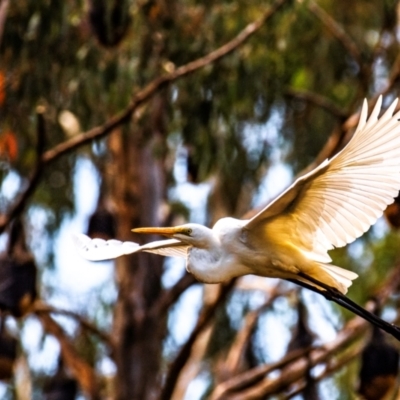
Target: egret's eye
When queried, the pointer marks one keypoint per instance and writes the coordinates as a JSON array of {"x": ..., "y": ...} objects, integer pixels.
[{"x": 189, "y": 231}]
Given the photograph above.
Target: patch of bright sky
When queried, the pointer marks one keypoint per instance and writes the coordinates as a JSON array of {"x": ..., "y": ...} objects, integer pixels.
[
  {"x": 279, "y": 176},
  {"x": 193, "y": 196},
  {"x": 41, "y": 354},
  {"x": 198, "y": 386},
  {"x": 273, "y": 333},
  {"x": 10, "y": 186},
  {"x": 183, "y": 317},
  {"x": 324, "y": 320},
  {"x": 76, "y": 276},
  {"x": 38, "y": 240}
]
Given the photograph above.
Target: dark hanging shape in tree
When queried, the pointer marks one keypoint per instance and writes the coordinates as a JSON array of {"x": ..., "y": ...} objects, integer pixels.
[
  {"x": 17, "y": 274},
  {"x": 102, "y": 223},
  {"x": 379, "y": 367},
  {"x": 60, "y": 386},
  {"x": 8, "y": 352},
  {"x": 303, "y": 337},
  {"x": 109, "y": 22}
]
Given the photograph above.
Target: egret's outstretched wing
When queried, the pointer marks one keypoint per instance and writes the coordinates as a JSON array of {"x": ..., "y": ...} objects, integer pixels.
[
  {"x": 340, "y": 199},
  {"x": 99, "y": 249}
]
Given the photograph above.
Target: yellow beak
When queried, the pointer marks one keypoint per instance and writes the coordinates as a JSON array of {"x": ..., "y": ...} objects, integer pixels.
[{"x": 159, "y": 231}]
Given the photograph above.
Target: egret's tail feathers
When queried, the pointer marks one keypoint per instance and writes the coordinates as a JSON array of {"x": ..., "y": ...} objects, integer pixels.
[{"x": 342, "y": 276}]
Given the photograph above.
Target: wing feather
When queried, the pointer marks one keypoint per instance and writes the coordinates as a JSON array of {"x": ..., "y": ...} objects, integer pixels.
[
  {"x": 340, "y": 199},
  {"x": 99, "y": 249}
]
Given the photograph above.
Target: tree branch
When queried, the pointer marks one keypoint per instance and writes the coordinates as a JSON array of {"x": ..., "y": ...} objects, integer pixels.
[
  {"x": 3, "y": 16},
  {"x": 298, "y": 367},
  {"x": 234, "y": 358},
  {"x": 205, "y": 317},
  {"x": 40, "y": 307},
  {"x": 171, "y": 295},
  {"x": 81, "y": 370},
  {"x": 330, "y": 368},
  {"x": 338, "y": 32},
  {"x": 20, "y": 203},
  {"x": 317, "y": 100},
  {"x": 254, "y": 375}
]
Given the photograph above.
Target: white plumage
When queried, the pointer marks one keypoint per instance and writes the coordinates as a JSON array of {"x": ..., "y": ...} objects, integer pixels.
[{"x": 290, "y": 238}]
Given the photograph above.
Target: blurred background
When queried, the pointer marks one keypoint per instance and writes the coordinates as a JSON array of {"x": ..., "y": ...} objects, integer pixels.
[{"x": 105, "y": 126}]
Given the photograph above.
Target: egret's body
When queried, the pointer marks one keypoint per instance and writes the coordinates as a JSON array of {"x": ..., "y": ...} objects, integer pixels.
[{"x": 290, "y": 238}]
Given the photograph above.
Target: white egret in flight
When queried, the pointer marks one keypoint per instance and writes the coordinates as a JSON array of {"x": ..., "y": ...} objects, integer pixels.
[{"x": 328, "y": 207}]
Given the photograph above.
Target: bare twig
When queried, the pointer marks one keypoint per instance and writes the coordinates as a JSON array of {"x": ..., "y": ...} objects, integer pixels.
[
  {"x": 90, "y": 327},
  {"x": 205, "y": 317},
  {"x": 20, "y": 203},
  {"x": 233, "y": 359},
  {"x": 81, "y": 370},
  {"x": 365, "y": 69},
  {"x": 254, "y": 375},
  {"x": 394, "y": 76},
  {"x": 331, "y": 367},
  {"x": 298, "y": 369},
  {"x": 317, "y": 100},
  {"x": 3, "y": 16},
  {"x": 337, "y": 31},
  {"x": 171, "y": 295}
]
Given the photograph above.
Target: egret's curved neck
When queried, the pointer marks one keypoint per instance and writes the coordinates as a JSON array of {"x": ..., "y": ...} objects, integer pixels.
[
  {"x": 215, "y": 259},
  {"x": 203, "y": 238}
]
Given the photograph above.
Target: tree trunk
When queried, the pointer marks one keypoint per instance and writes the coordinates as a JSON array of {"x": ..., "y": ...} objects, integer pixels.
[{"x": 138, "y": 192}]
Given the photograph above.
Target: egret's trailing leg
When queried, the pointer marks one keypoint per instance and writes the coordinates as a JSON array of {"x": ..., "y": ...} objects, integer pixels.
[{"x": 334, "y": 295}]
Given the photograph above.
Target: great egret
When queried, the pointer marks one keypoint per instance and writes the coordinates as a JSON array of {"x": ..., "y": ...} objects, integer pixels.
[{"x": 328, "y": 207}]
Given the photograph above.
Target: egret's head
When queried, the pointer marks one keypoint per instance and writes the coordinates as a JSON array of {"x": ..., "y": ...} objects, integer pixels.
[{"x": 192, "y": 234}]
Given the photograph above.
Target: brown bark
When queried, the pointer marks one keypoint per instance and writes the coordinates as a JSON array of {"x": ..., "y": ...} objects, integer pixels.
[{"x": 138, "y": 190}]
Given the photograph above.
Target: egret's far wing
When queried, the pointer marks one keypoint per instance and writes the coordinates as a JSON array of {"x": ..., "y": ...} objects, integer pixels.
[
  {"x": 99, "y": 249},
  {"x": 168, "y": 248},
  {"x": 340, "y": 199}
]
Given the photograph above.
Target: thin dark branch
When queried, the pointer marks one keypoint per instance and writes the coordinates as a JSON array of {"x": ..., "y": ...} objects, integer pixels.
[
  {"x": 40, "y": 134},
  {"x": 394, "y": 76},
  {"x": 337, "y": 31},
  {"x": 299, "y": 367},
  {"x": 232, "y": 360},
  {"x": 365, "y": 69},
  {"x": 319, "y": 101},
  {"x": 3, "y": 16},
  {"x": 81, "y": 370},
  {"x": 90, "y": 327},
  {"x": 171, "y": 295},
  {"x": 330, "y": 368},
  {"x": 34, "y": 180},
  {"x": 254, "y": 375},
  {"x": 205, "y": 317}
]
